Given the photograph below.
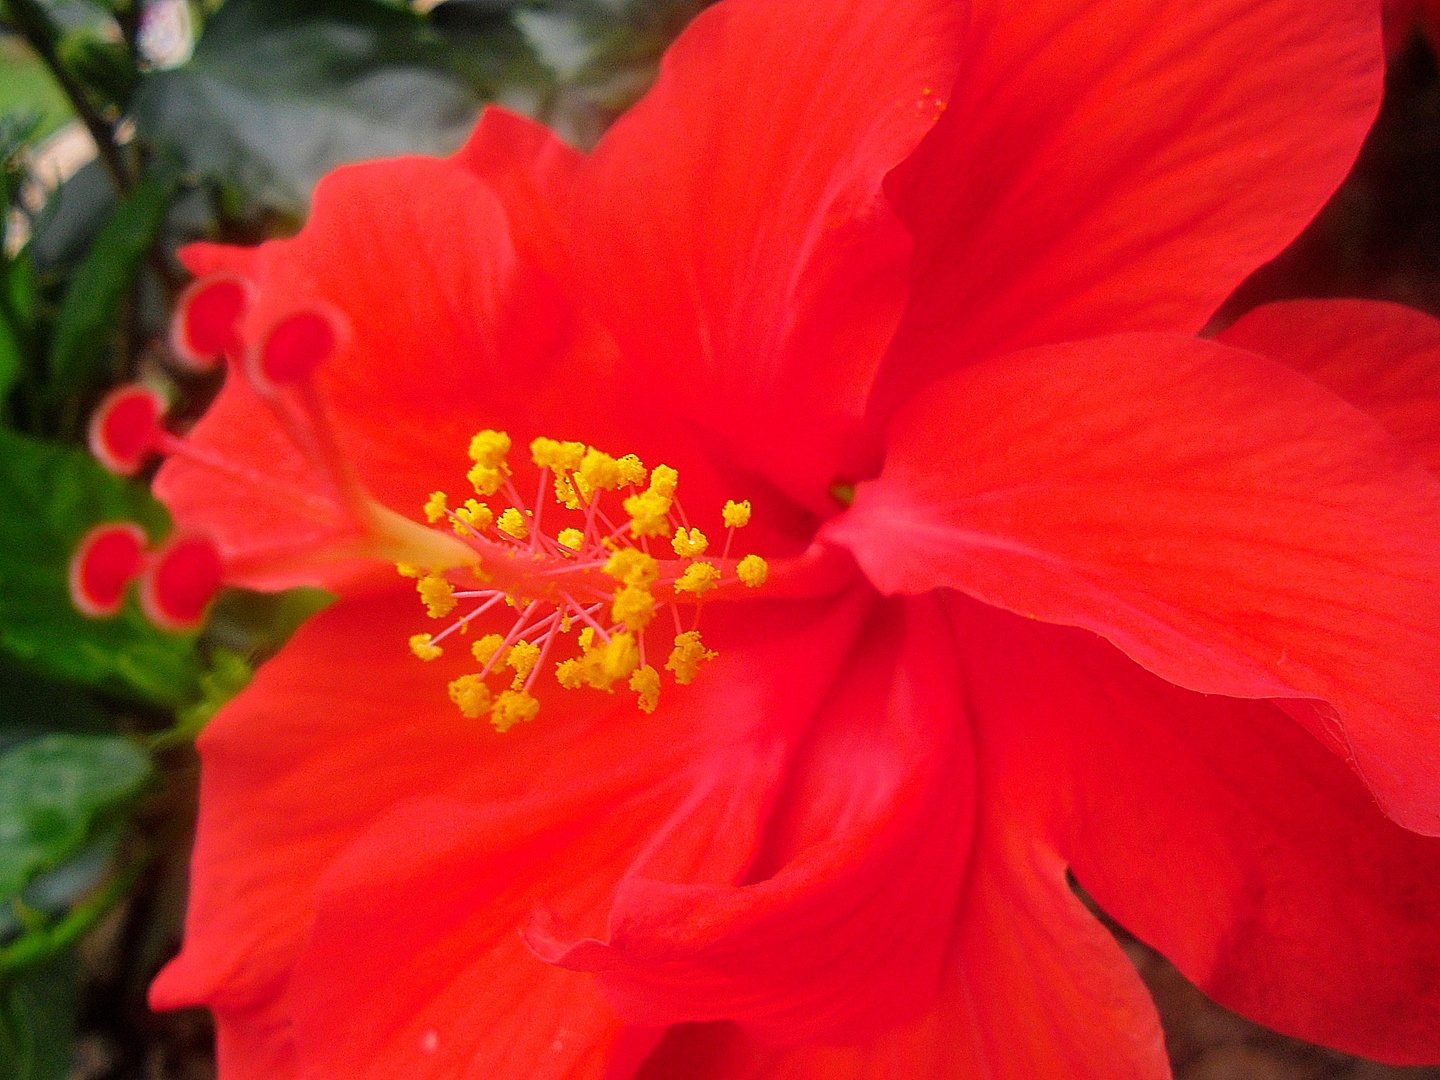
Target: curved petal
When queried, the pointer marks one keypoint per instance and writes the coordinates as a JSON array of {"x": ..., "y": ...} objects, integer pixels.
[
  {"x": 416, "y": 255},
  {"x": 1219, "y": 832},
  {"x": 862, "y": 863},
  {"x": 1228, "y": 523},
  {"x": 305, "y": 892},
  {"x": 730, "y": 227},
  {"x": 1111, "y": 166},
  {"x": 1033, "y": 986},
  {"x": 1382, "y": 358},
  {"x": 534, "y": 174}
]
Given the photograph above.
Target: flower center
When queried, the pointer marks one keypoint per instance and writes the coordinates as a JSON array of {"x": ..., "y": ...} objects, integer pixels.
[{"x": 597, "y": 577}]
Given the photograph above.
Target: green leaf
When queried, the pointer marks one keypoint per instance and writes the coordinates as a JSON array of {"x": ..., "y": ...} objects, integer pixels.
[
  {"x": 50, "y": 496},
  {"x": 17, "y": 314},
  {"x": 277, "y": 94},
  {"x": 27, "y": 87},
  {"x": 102, "y": 282},
  {"x": 56, "y": 793},
  {"x": 38, "y": 1021},
  {"x": 71, "y": 220}
]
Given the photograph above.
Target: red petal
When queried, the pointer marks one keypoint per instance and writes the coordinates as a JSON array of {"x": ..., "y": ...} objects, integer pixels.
[
  {"x": 731, "y": 226},
  {"x": 534, "y": 174},
  {"x": 1111, "y": 166},
  {"x": 1382, "y": 358},
  {"x": 416, "y": 255},
  {"x": 1219, "y": 832},
  {"x": 254, "y": 1044},
  {"x": 365, "y": 856},
  {"x": 862, "y": 864},
  {"x": 1034, "y": 987},
  {"x": 1229, "y": 524}
]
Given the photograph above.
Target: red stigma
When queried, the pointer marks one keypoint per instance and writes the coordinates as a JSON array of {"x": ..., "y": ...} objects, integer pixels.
[
  {"x": 297, "y": 345},
  {"x": 206, "y": 320},
  {"x": 107, "y": 559},
  {"x": 180, "y": 583},
  {"x": 123, "y": 429}
]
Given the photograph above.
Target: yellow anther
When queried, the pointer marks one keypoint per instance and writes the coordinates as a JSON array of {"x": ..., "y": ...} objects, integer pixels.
[
  {"x": 647, "y": 512},
  {"x": 599, "y": 472},
  {"x": 571, "y": 538},
  {"x": 571, "y": 674},
  {"x": 438, "y": 595},
  {"x": 490, "y": 448},
  {"x": 631, "y": 470},
  {"x": 423, "y": 646},
  {"x": 646, "y": 683},
  {"x": 634, "y": 606},
  {"x": 475, "y": 514},
  {"x": 736, "y": 515},
  {"x": 405, "y": 569},
  {"x": 511, "y": 708},
  {"x": 689, "y": 545},
  {"x": 663, "y": 481},
  {"x": 560, "y": 456},
  {"x": 603, "y": 666},
  {"x": 485, "y": 649},
  {"x": 565, "y": 493},
  {"x": 565, "y": 623},
  {"x": 471, "y": 696},
  {"x": 753, "y": 570},
  {"x": 632, "y": 566},
  {"x": 487, "y": 481},
  {"x": 435, "y": 507},
  {"x": 687, "y": 656},
  {"x": 512, "y": 523},
  {"x": 613, "y": 661},
  {"x": 522, "y": 657},
  {"x": 698, "y": 578}
]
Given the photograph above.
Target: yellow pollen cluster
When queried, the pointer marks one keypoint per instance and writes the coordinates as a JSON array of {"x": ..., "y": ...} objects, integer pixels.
[
  {"x": 435, "y": 507},
  {"x": 488, "y": 450},
  {"x": 699, "y": 578},
  {"x": 736, "y": 515},
  {"x": 686, "y": 657},
  {"x": 423, "y": 646},
  {"x": 610, "y": 576},
  {"x": 437, "y": 594},
  {"x": 473, "y": 517},
  {"x": 689, "y": 544}
]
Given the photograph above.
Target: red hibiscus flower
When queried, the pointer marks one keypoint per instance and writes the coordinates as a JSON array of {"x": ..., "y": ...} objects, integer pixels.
[{"x": 1051, "y": 586}]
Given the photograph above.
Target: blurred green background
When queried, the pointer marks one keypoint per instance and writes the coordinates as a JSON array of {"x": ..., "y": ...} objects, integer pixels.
[{"x": 128, "y": 128}]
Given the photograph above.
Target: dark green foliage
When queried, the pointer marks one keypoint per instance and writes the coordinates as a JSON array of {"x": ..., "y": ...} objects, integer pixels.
[
  {"x": 101, "y": 285},
  {"x": 56, "y": 793},
  {"x": 277, "y": 94},
  {"x": 50, "y": 496},
  {"x": 37, "y": 1021}
]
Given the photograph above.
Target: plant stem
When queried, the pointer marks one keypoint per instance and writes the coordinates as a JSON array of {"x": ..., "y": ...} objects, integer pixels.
[{"x": 35, "y": 26}]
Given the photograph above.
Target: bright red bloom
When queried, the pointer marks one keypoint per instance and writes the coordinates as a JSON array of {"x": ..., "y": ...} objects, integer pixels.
[{"x": 1121, "y": 601}]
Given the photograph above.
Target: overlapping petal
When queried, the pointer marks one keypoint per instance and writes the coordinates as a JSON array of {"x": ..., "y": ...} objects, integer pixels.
[
  {"x": 415, "y": 255},
  {"x": 1382, "y": 358},
  {"x": 1229, "y": 524},
  {"x": 1218, "y": 831},
  {"x": 345, "y": 747},
  {"x": 1115, "y": 166},
  {"x": 861, "y": 864},
  {"x": 731, "y": 231}
]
